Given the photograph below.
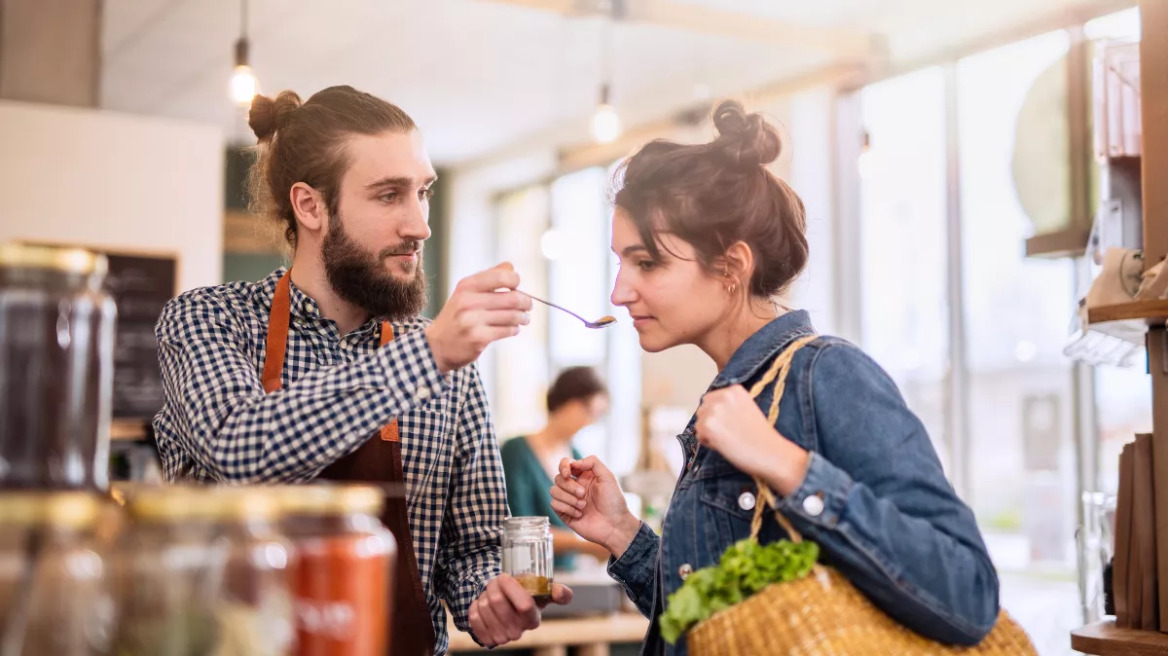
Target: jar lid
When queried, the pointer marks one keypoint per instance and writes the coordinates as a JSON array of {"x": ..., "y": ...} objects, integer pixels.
[
  {"x": 539, "y": 523},
  {"x": 69, "y": 260},
  {"x": 65, "y": 509},
  {"x": 318, "y": 499},
  {"x": 179, "y": 502}
]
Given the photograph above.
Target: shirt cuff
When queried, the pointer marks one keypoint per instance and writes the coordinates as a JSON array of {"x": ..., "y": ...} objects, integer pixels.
[
  {"x": 630, "y": 568},
  {"x": 821, "y": 498},
  {"x": 470, "y": 588}
]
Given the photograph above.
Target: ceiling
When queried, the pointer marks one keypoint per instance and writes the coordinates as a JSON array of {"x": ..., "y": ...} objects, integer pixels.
[{"x": 479, "y": 75}]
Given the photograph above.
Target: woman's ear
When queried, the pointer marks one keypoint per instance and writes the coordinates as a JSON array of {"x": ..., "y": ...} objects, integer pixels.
[{"x": 737, "y": 264}]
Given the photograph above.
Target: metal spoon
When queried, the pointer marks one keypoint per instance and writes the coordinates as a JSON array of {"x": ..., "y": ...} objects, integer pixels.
[{"x": 602, "y": 322}]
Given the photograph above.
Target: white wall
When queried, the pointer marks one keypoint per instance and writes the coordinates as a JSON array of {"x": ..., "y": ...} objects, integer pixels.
[
  {"x": 114, "y": 181},
  {"x": 471, "y": 225}
]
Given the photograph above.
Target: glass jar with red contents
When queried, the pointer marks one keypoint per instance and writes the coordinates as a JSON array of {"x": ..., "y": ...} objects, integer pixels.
[{"x": 342, "y": 569}]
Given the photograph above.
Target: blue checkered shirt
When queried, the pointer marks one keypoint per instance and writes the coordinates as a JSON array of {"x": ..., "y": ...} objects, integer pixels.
[{"x": 218, "y": 424}]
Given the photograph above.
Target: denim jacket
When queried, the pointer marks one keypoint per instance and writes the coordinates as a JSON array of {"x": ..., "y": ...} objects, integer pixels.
[{"x": 874, "y": 498}]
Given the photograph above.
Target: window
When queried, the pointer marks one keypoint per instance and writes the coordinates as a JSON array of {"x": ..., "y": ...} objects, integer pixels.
[{"x": 904, "y": 323}]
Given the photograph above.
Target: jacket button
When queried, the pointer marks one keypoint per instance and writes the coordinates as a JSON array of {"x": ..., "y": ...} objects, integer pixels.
[
  {"x": 423, "y": 393},
  {"x": 746, "y": 501},
  {"x": 813, "y": 505},
  {"x": 684, "y": 571}
]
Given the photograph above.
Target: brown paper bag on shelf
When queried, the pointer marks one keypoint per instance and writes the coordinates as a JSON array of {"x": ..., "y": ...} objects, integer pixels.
[
  {"x": 1144, "y": 534},
  {"x": 1122, "y": 559}
]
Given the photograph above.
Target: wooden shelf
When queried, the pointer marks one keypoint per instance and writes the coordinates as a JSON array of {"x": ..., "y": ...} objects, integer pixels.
[
  {"x": 1069, "y": 242},
  {"x": 1151, "y": 313},
  {"x": 1106, "y": 639},
  {"x": 126, "y": 429}
]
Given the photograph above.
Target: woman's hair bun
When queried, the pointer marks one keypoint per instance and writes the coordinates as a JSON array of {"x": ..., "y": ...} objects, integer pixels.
[
  {"x": 746, "y": 141},
  {"x": 267, "y": 115}
]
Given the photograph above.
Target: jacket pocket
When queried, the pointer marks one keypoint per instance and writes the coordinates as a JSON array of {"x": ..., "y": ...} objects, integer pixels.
[
  {"x": 729, "y": 498},
  {"x": 727, "y": 502}
]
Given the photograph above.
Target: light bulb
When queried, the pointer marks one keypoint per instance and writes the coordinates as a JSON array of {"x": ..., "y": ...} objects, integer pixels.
[
  {"x": 864, "y": 164},
  {"x": 606, "y": 124},
  {"x": 551, "y": 245},
  {"x": 243, "y": 85}
]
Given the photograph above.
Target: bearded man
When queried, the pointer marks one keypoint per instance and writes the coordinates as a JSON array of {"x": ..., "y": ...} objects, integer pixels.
[{"x": 325, "y": 370}]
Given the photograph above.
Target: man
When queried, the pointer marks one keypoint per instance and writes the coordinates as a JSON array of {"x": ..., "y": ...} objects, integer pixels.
[{"x": 326, "y": 370}]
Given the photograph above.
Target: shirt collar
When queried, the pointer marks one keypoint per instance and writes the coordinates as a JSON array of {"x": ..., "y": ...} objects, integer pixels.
[{"x": 304, "y": 308}]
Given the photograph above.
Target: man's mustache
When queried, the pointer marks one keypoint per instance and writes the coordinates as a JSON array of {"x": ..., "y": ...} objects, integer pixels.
[{"x": 405, "y": 248}]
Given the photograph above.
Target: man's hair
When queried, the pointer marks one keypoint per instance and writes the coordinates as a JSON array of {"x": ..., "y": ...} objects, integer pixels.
[{"x": 306, "y": 143}]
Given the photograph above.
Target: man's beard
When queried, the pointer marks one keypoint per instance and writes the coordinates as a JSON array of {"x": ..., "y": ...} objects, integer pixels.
[{"x": 359, "y": 277}]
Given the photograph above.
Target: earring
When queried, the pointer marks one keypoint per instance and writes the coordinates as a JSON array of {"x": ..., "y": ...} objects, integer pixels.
[{"x": 731, "y": 288}]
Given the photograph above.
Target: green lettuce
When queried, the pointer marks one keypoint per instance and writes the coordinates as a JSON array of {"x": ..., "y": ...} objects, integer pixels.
[{"x": 746, "y": 568}]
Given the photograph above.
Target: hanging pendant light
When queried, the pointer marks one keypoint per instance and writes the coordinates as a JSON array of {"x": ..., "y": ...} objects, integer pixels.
[
  {"x": 244, "y": 86},
  {"x": 606, "y": 123}
]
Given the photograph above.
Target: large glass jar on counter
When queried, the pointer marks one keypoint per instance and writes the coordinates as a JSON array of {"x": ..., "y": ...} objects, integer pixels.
[
  {"x": 203, "y": 573},
  {"x": 56, "y": 368},
  {"x": 343, "y": 567},
  {"x": 53, "y": 593}
]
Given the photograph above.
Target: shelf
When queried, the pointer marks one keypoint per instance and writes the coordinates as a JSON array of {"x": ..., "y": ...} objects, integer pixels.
[
  {"x": 1069, "y": 242},
  {"x": 127, "y": 429},
  {"x": 1147, "y": 313},
  {"x": 1105, "y": 639}
]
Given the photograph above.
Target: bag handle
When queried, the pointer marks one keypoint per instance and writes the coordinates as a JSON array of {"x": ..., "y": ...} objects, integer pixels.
[{"x": 778, "y": 375}]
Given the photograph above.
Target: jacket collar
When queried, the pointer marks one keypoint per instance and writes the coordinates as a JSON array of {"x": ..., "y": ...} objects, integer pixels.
[{"x": 762, "y": 347}]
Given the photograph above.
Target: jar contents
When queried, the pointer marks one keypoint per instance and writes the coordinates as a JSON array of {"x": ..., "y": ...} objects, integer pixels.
[
  {"x": 203, "y": 573},
  {"x": 54, "y": 599},
  {"x": 528, "y": 555},
  {"x": 342, "y": 574},
  {"x": 57, "y": 346},
  {"x": 539, "y": 587}
]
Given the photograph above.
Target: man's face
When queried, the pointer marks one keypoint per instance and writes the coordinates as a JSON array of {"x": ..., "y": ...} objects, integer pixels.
[{"x": 372, "y": 251}]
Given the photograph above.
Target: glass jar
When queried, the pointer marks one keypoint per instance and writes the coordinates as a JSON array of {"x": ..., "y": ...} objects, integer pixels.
[
  {"x": 253, "y": 610},
  {"x": 342, "y": 573},
  {"x": 203, "y": 573},
  {"x": 166, "y": 572},
  {"x": 56, "y": 368},
  {"x": 54, "y": 597},
  {"x": 528, "y": 555}
]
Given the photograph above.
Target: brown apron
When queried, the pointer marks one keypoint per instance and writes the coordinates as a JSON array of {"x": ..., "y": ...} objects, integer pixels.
[{"x": 377, "y": 461}]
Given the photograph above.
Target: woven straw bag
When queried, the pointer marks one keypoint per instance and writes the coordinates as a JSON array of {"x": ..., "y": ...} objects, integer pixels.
[{"x": 822, "y": 614}]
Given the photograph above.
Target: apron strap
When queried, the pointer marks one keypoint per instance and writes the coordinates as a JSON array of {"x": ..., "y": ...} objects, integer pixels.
[{"x": 277, "y": 343}]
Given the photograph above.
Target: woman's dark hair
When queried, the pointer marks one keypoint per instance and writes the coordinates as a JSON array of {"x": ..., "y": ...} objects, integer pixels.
[
  {"x": 716, "y": 194},
  {"x": 574, "y": 384}
]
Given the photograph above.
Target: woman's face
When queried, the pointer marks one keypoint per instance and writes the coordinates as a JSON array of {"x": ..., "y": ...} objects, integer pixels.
[{"x": 672, "y": 300}]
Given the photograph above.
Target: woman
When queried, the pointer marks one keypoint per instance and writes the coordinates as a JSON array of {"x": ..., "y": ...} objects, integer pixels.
[
  {"x": 576, "y": 399},
  {"x": 706, "y": 239}
]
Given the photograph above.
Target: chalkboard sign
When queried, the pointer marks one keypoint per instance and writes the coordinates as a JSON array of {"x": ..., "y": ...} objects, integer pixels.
[{"x": 140, "y": 285}]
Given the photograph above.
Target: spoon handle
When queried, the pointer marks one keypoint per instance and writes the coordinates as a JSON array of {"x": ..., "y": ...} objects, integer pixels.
[{"x": 550, "y": 304}]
